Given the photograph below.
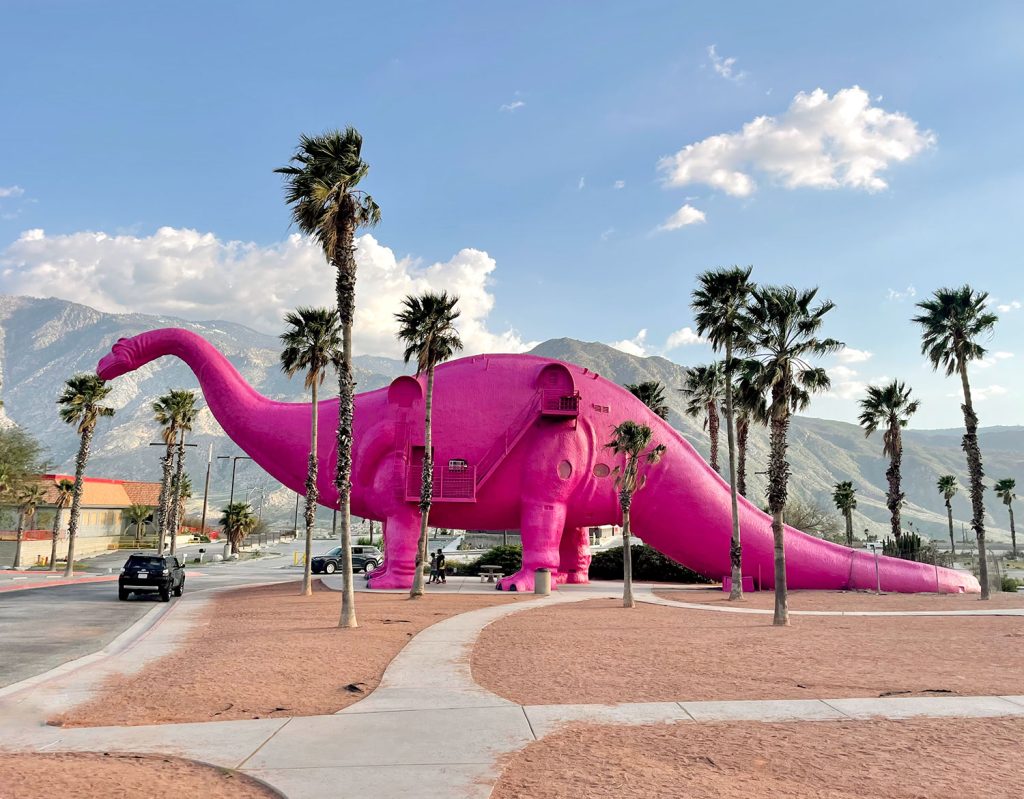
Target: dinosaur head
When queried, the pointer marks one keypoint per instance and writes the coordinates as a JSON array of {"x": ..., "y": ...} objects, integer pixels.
[{"x": 122, "y": 358}]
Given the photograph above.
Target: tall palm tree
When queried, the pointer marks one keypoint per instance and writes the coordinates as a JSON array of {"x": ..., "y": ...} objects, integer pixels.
[
  {"x": 844, "y": 495},
  {"x": 891, "y": 407},
  {"x": 321, "y": 188},
  {"x": 174, "y": 412},
  {"x": 81, "y": 404},
  {"x": 952, "y": 322},
  {"x": 237, "y": 521},
  {"x": 65, "y": 490},
  {"x": 718, "y": 303},
  {"x": 181, "y": 486},
  {"x": 1004, "y": 490},
  {"x": 750, "y": 408},
  {"x": 652, "y": 394},
  {"x": 138, "y": 515},
  {"x": 633, "y": 441},
  {"x": 312, "y": 344},
  {"x": 948, "y": 487},
  {"x": 182, "y": 489},
  {"x": 426, "y": 326},
  {"x": 704, "y": 392},
  {"x": 28, "y": 496},
  {"x": 784, "y": 333}
]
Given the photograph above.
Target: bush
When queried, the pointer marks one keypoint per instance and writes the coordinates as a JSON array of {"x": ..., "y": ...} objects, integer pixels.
[
  {"x": 648, "y": 565},
  {"x": 364, "y": 541},
  {"x": 1011, "y": 584},
  {"x": 508, "y": 559}
]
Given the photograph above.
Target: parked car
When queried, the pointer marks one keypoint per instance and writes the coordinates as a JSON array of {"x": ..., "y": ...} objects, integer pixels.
[
  {"x": 364, "y": 558},
  {"x": 146, "y": 574}
]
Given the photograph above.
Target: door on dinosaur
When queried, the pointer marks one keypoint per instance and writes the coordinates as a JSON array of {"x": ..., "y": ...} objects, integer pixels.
[{"x": 558, "y": 394}]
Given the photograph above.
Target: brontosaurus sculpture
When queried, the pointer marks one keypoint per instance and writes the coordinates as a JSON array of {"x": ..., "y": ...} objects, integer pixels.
[{"x": 519, "y": 443}]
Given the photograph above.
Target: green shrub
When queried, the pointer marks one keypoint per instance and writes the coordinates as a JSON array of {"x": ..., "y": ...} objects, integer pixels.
[
  {"x": 648, "y": 565},
  {"x": 1011, "y": 584},
  {"x": 508, "y": 559}
]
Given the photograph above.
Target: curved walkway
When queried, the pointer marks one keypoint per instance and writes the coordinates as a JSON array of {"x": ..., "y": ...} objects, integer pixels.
[{"x": 428, "y": 730}]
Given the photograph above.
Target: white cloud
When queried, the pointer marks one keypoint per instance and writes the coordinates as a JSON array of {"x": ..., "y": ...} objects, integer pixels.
[
  {"x": 982, "y": 393},
  {"x": 846, "y": 383},
  {"x": 992, "y": 359},
  {"x": 619, "y": 184},
  {"x": 851, "y": 355},
  {"x": 515, "y": 105},
  {"x": 632, "y": 346},
  {"x": 1012, "y": 305},
  {"x": 607, "y": 233},
  {"x": 687, "y": 215},
  {"x": 684, "y": 337},
  {"x": 11, "y": 191},
  {"x": 582, "y": 183},
  {"x": 820, "y": 141},
  {"x": 195, "y": 275},
  {"x": 899, "y": 296},
  {"x": 724, "y": 66}
]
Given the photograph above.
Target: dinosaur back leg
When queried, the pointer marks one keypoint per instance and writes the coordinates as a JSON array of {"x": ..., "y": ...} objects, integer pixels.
[
  {"x": 541, "y": 526},
  {"x": 401, "y": 534},
  {"x": 574, "y": 556}
]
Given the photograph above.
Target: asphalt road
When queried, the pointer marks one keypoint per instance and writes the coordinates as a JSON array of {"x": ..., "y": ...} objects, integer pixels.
[{"x": 45, "y": 627}]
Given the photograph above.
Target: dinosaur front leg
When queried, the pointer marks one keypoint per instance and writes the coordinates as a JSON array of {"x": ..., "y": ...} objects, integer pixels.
[
  {"x": 541, "y": 526},
  {"x": 401, "y": 534},
  {"x": 574, "y": 556}
]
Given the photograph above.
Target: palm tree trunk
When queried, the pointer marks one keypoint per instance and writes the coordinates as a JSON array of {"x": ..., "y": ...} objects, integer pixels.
[
  {"x": 175, "y": 501},
  {"x": 19, "y": 534},
  {"x": 977, "y": 476},
  {"x": 848, "y": 513},
  {"x": 138, "y": 534},
  {"x": 166, "y": 464},
  {"x": 894, "y": 497},
  {"x": 627, "y": 557},
  {"x": 713, "y": 425},
  {"x": 778, "y": 479},
  {"x": 53, "y": 540},
  {"x": 742, "y": 431},
  {"x": 345, "y": 265},
  {"x": 735, "y": 548},
  {"x": 426, "y": 485},
  {"x": 311, "y": 492},
  {"x": 1013, "y": 533},
  {"x": 949, "y": 515},
  {"x": 76, "y": 498}
]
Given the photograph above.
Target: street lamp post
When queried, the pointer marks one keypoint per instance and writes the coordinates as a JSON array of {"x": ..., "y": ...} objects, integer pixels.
[
  {"x": 206, "y": 490},
  {"x": 234, "y": 465}
]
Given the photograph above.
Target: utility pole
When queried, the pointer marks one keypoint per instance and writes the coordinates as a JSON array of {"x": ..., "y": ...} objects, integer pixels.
[
  {"x": 295, "y": 525},
  {"x": 234, "y": 465},
  {"x": 206, "y": 490}
]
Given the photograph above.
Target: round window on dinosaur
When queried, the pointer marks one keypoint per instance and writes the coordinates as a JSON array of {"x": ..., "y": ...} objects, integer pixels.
[
  {"x": 565, "y": 470},
  {"x": 601, "y": 470}
]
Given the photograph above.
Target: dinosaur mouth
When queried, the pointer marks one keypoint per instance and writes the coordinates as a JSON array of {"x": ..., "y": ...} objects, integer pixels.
[{"x": 115, "y": 363}]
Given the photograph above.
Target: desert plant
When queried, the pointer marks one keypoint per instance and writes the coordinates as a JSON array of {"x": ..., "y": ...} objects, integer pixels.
[
  {"x": 844, "y": 495},
  {"x": 948, "y": 487},
  {"x": 1004, "y": 490},
  {"x": 652, "y": 394}
]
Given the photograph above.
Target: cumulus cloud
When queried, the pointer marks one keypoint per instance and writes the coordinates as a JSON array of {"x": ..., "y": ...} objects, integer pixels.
[
  {"x": 846, "y": 382},
  {"x": 982, "y": 393},
  {"x": 632, "y": 346},
  {"x": 851, "y": 355},
  {"x": 583, "y": 183},
  {"x": 195, "y": 275},
  {"x": 820, "y": 141},
  {"x": 684, "y": 337},
  {"x": 687, "y": 215},
  {"x": 900, "y": 296},
  {"x": 992, "y": 359},
  {"x": 11, "y": 191},
  {"x": 725, "y": 67},
  {"x": 1006, "y": 307},
  {"x": 515, "y": 105}
]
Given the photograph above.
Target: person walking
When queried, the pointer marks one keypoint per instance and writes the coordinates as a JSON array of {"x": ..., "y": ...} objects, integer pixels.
[
  {"x": 433, "y": 570},
  {"x": 439, "y": 562}
]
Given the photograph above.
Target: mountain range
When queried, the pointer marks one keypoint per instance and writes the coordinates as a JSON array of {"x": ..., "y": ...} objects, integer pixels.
[{"x": 44, "y": 341}]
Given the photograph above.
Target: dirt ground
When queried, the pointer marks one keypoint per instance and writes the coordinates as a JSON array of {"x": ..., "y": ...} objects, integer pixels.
[
  {"x": 933, "y": 758},
  {"x": 87, "y": 775},
  {"x": 846, "y": 600},
  {"x": 598, "y": 652},
  {"x": 268, "y": 652}
]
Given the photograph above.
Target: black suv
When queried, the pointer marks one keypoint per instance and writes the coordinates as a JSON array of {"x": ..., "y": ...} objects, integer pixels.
[
  {"x": 364, "y": 559},
  {"x": 149, "y": 573}
]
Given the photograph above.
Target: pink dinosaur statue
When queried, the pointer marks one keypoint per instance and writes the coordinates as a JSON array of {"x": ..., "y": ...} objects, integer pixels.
[{"x": 519, "y": 443}]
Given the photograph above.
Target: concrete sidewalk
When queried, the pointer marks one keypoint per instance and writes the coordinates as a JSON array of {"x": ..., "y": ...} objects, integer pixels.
[{"x": 428, "y": 730}]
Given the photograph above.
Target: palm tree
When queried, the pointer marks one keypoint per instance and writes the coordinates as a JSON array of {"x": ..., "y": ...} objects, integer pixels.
[
  {"x": 948, "y": 487},
  {"x": 633, "y": 441},
  {"x": 65, "y": 489},
  {"x": 175, "y": 413},
  {"x": 426, "y": 326},
  {"x": 312, "y": 342},
  {"x": 238, "y": 521},
  {"x": 28, "y": 496},
  {"x": 890, "y": 406},
  {"x": 704, "y": 392},
  {"x": 952, "y": 322},
  {"x": 784, "y": 326},
  {"x": 718, "y": 303},
  {"x": 652, "y": 394},
  {"x": 1004, "y": 490},
  {"x": 182, "y": 489},
  {"x": 80, "y": 404},
  {"x": 844, "y": 495},
  {"x": 138, "y": 515},
  {"x": 750, "y": 407},
  {"x": 321, "y": 188}
]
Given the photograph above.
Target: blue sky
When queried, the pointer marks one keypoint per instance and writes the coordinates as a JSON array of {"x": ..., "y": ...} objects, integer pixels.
[{"x": 515, "y": 153}]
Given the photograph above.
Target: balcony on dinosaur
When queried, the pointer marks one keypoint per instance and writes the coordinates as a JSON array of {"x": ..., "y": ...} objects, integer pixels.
[
  {"x": 554, "y": 402},
  {"x": 455, "y": 482}
]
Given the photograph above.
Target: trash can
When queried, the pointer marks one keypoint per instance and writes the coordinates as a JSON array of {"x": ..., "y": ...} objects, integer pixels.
[{"x": 542, "y": 582}]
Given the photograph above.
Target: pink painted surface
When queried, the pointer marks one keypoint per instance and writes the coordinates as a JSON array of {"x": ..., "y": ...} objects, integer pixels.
[{"x": 519, "y": 443}]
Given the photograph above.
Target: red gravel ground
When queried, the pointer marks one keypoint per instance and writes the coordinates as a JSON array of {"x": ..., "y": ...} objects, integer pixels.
[
  {"x": 914, "y": 759},
  {"x": 89, "y": 775},
  {"x": 598, "y": 652},
  {"x": 268, "y": 652},
  {"x": 846, "y": 600}
]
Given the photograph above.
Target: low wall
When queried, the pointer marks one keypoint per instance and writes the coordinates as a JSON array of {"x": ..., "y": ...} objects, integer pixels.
[{"x": 32, "y": 551}]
